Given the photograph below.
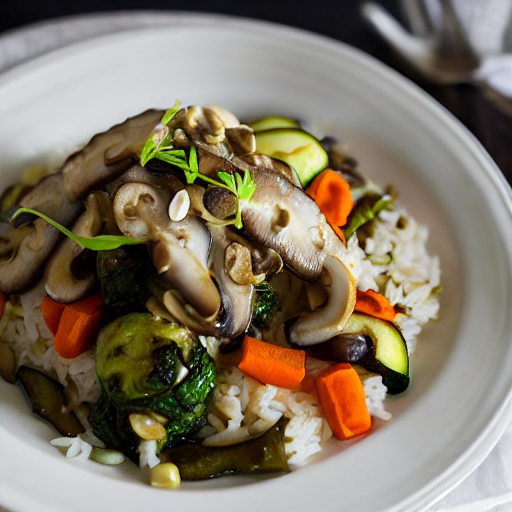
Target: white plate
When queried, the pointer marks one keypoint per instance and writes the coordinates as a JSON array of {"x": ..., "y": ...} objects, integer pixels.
[{"x": 453, "y": 412}]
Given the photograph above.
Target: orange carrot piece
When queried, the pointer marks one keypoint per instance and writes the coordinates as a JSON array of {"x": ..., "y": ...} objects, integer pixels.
[
  {"x": 375, "y": 304},
  {"x": 332, "y": 194},
  {"x": 79, "y": 326},
  {"x": 3, "y": 300},
  {"x": 270, "y": 364},
  {"x": 52, "y": 311},
  {"x": 341, "y": 395}
]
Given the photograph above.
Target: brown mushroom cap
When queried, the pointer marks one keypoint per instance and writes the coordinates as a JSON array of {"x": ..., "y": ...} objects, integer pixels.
[
  {"x": 281, "y": 216},
  {"x": 25, "y": 249},
  {"x": 107, "y": 154},
  {"x": 62, "y": 281}
]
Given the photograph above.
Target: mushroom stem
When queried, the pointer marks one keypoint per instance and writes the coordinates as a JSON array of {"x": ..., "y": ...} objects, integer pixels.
[{"x": 328, "y": 321}]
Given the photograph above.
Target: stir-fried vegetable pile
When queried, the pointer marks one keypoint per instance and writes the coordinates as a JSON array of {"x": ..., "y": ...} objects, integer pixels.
[{"x": 184, "y": 226}]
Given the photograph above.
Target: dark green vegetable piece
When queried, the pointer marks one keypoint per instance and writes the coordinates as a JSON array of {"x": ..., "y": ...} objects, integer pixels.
[
  {"x": 265, "y": 306},
  {"x": 387, "y": 354},
  {"x": 48, "y": 401},
  {"x": 122, "y": 274},
  {"x": 343, "y": 348},
  {"x": 263, "y": 454},
  {"x": 149, "y": 365},
  {"x": 365, "y": 210}
]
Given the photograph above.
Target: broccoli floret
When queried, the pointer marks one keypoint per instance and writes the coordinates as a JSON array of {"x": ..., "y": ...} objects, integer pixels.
[
  {"x": 147, "y": 365},
  {"x": 265, "y": 305}
]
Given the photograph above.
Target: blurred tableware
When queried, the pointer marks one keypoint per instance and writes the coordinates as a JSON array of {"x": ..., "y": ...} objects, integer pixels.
[{"x": 451, "y": 42}]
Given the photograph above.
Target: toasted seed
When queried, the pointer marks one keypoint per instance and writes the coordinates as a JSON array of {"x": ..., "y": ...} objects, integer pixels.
[
  {"x": 107, "y": 456},
  {"x": 165, "y": 475},
  {"x": 179, "y": 205},
  {"x": 147, "y": 427}
]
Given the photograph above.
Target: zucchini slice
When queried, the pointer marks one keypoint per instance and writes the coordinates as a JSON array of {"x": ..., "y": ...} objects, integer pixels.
[
  {"x": 387, "y": 354},
  {"x": 47, "y": 398},
  {"x": 297, "y": 148},
  {"x": 261, "y": 454},
  {"x": 273, "y": 122}
]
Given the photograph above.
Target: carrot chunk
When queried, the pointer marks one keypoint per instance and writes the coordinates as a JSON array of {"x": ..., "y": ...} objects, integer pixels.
[
  {"x": 332, "y": 194},
  {"x": 341, "y": 395},
  {"x": 3, "y": 300},
  {"x": 52, "y": 311},
  {"x": 375, "y": 304},
  {"x": 79, "y": 326},
  {"x": 270, "y": 364}
]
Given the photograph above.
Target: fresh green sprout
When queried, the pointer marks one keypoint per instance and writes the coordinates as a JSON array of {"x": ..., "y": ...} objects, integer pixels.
[
  {"x": 96, "y": 243},
  {"x": 159, "y": 145}
]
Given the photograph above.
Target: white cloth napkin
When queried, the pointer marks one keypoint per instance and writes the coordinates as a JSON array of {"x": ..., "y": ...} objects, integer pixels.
[
  {"x": 488, "y": 24},
  {"x": 489, "y": 487}
]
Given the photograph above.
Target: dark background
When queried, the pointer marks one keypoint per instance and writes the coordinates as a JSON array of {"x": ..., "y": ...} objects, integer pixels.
[{"x": 339, "y": 19}]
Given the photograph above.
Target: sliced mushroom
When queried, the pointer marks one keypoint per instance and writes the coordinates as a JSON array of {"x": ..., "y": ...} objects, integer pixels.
[
  {"x": 107, "y": 154},
  {"x": 265, "y": 260},
  {"x": 25, "y": 249},
  {"x": 187, "y": 316},
  {"x": 23, "y": 252},
  {"x": 237, "y": 299},
  {"x": 281, "y": 216},
  {"x": 69, "y": 275},
  {"x": 256, "y": 162},
  {"x": 213, "y": 159},
  {"x": 140, "y": 209},
  {"x": 161, "y": 179},
  {"x": 241, "y": 140},
  {"x": 208, "y": 123},
  {"x": 179, "y": 249},
  {"x": 238, "y": 265},
  {"x": 325, "y": 323}
]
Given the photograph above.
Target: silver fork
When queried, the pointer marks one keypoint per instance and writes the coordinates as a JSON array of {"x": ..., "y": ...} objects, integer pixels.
[{"x": 436, "y": 48}]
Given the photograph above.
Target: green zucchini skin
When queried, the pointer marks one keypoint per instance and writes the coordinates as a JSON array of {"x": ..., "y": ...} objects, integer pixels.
[
  {"x": 273, "y": 122},
  {"x": 297, "y": 148},
  {"x": 387, "y": 354},
  {"x": 46, "y": 396},
  {"x": 263, "y": 454}
]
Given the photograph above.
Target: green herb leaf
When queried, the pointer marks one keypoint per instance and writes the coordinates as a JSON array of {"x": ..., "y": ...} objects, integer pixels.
[
  {"x": 96, "y": 243},
  {"x": 245, "y": 187},
  {"x": 192, "y": 160},
  {"x": 365, "y": 210},
  {"x": 153, "y": 146},
  {"x": 175, "y": 157},
  {"x": 171, "y": 112},
  {"x": 228, "y": 180}
]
